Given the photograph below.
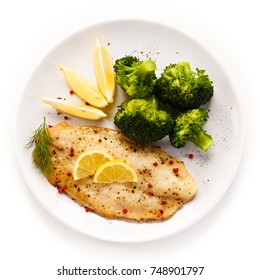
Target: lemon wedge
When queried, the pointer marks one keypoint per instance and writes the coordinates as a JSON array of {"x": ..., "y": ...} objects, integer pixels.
[
  {"x": 88, "y": 162},
  {"x": 83, "y": 88},
  {"x": 75, "y": 109},
  {"x": 104, "y": 70},
  {"x": 115, "y": 171}
]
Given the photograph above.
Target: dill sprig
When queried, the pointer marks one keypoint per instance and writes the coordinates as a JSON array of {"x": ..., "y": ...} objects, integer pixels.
[{"x": 41, "y": 154}]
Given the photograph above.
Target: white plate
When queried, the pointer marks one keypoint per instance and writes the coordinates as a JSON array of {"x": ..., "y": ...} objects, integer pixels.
[{"x": 214, "y": 170}]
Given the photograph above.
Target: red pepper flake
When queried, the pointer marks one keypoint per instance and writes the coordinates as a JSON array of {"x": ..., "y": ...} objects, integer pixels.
[
  {"x": 65, "y": 187},
  {"x": 150, "y": 185},
  {"x": 68, "y": 173},
  {"x": 66, "y": 117},
  {"x": 71, "y": 91},
  {"x": 155, "y": 164},
  {"x": 161, "y": 211},
  {"x": 125, "y": 211},
  {"x": 164, "y": 202},
  {"x": 175, "y": 170},
  {"x": 191, "y": 156},
  {"x": 87, "y": 209},
  {"x": 171, "y": 162},
  {"x": 49, "y": 126},
  {"x": 150, "y": 193},
  {"x": 60, "y": 190},
  {"x": 59, "y": 112},
  {"x": 71, "y": 152}
]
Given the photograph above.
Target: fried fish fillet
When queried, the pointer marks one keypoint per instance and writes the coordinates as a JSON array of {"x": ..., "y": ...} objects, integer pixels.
[{"x": 164, "y": 183}]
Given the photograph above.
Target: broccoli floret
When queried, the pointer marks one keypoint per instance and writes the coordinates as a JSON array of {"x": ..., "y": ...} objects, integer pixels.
[
  {"x": 188, "y": 127},
  {"x": 142, "y": 122},
  {"x": 137, "y": 78},
  {"x": 182, "y": 88}
]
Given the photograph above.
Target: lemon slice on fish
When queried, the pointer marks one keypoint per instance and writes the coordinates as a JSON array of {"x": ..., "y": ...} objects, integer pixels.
[
  {"x": 75, "y": 109},
  {"x": 104, "y": 70},
  {"x": 88, "y": 162},
  {"x": 83, "y": 88},
  {"x": 115, "y": 171}
]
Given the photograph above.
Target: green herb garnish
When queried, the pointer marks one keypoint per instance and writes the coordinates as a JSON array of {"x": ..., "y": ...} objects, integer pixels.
[{"x": 41, "y": 154}]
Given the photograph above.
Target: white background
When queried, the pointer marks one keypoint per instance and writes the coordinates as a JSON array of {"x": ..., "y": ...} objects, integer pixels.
[{"x": 226, "y": 241}]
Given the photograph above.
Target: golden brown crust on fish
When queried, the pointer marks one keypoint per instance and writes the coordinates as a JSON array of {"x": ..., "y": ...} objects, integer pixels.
[{"x": 164, "y": 183}]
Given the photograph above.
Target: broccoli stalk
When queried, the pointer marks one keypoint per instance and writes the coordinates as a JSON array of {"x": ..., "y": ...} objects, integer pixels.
[
  {"x": 188, "y": 127},
  {"x": 142, "y": 122},
  {"x": 147, "y": 66},
  {"x": 137, "y": 78},
  {"x": 198, "y": 136},
  {"x": 141, "y": 69}
]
